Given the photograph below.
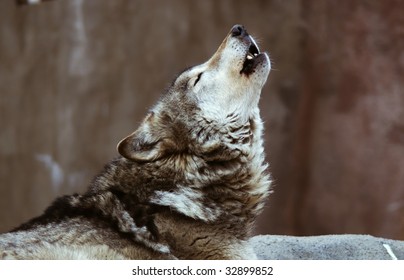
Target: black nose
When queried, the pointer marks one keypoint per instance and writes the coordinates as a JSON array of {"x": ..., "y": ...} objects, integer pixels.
[{"x": 238, "y": 30}]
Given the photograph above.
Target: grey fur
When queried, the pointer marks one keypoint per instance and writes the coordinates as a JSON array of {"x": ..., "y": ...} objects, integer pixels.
[{"x": 190, "y": 182}]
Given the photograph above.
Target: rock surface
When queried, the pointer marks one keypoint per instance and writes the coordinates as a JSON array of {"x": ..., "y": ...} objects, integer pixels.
[{"x": 327, "y": 247}]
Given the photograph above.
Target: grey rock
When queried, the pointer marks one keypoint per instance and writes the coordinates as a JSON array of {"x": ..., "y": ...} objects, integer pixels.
[{"x": 327, "y": 247}]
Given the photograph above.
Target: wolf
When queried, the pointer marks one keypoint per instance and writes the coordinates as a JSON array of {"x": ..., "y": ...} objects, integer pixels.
[{"x": 188, "y": 184}]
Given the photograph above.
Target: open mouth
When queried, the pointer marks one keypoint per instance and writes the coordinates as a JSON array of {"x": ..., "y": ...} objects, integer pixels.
[{"x": 250, "y": 59}]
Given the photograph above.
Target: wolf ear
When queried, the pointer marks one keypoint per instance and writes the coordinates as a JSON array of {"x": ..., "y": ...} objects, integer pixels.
[{"x": 145, "y": 144}]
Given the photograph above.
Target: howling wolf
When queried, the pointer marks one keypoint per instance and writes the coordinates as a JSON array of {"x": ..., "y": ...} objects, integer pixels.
[{"x": 190, "y": 181}]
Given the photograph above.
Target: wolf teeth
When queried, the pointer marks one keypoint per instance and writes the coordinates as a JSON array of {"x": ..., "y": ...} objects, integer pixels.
[{"x": 250, "y": 56}]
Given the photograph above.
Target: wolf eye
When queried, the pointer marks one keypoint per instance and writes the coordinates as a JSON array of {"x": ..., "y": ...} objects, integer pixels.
[{"x": 198, "y": 78}]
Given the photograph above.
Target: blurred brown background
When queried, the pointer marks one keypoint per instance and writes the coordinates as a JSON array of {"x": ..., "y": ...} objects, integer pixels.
[{"x": 76, "y": 76}]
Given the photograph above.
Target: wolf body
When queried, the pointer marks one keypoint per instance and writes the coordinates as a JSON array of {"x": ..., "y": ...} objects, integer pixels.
[{"x": 190, "y": 180}]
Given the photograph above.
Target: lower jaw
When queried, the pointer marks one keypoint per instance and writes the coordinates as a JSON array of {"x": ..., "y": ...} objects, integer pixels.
[{"x": 250, "y": 65}]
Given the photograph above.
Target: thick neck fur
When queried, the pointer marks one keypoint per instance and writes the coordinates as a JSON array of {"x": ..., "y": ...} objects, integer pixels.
[{"x": 222, "y": 180}]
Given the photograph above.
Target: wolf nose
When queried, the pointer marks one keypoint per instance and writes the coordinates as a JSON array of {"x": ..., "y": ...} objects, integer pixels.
[{"x": 238, "y": 30}]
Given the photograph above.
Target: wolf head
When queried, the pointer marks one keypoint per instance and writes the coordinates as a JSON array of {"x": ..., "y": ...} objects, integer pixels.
[
  {"x": 223, "y": 90},
  {"x": 203, "y": 138}
]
